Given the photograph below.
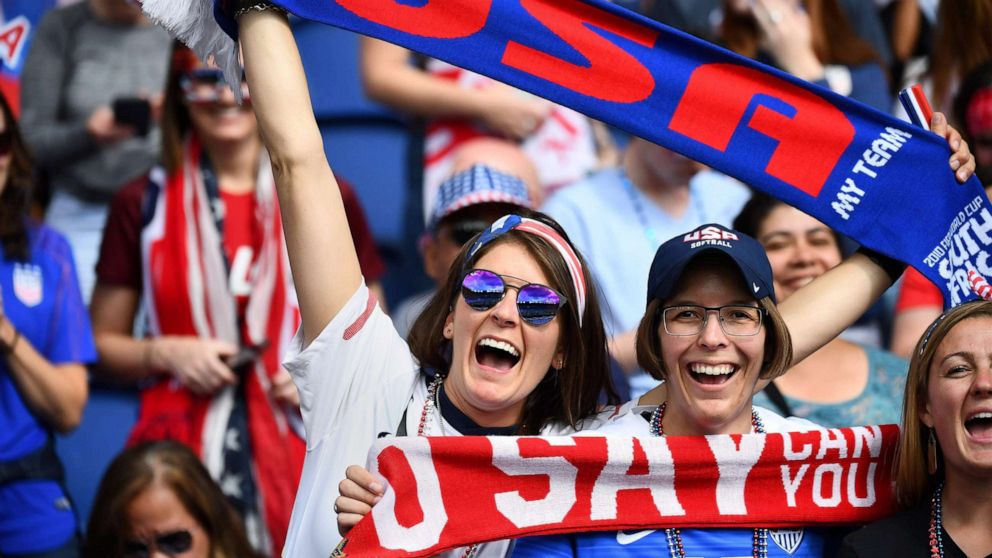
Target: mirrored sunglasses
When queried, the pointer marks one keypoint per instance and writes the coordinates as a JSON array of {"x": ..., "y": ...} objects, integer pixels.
[
  {"x": 537, "y": 304},
  {"x": 171, "y": 544},
  {"x": 207, "y": 85}
]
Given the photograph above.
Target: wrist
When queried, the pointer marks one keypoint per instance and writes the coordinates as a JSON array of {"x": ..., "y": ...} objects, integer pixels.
[
  {"x": 891, "y": 266},
  {"x": 9, "y": 337}
]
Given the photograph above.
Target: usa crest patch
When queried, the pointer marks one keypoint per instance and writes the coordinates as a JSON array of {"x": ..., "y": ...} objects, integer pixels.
[
  {"x": 787, "y": 539},
  {"x": 28, "y": 284}
]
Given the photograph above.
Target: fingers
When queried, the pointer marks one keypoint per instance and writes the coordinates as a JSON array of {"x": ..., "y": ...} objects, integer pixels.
[
  {"x": 962, "y": 162},
  {"x": 359, "y": 492},
  {"x": 363, "y": 478}
]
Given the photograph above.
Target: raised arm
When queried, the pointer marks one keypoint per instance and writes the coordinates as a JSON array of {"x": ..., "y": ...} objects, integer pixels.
[
  {"x": 321, "y": 251},
  {"x": 390, "y": 79},
  {"x": 821, "y": 310}
]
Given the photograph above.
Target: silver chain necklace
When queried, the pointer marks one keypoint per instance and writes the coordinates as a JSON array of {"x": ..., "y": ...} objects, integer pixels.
[{"x": 426, "y": 414}]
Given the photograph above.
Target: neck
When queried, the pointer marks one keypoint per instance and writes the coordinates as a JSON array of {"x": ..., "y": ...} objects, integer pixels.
[
  {"x": 671, "y": 198},
  {"x": 966, "y": 505},
  {"x": 675, "y": 423},
  {"x": 236, "y": 163},
  {"x": 105, "y": 12},
  {"x": 498, "y": 418}
]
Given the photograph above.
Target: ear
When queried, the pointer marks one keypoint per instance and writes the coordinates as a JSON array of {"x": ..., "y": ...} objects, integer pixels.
[
  {"x": 558, "y": 361},
  {"x": 449, "y": 326},
  {"x": 925, "y": 416},
  {"x": 431, "y": 266}
]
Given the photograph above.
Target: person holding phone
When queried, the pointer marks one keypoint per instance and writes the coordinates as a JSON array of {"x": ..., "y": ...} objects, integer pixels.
[
  {"x": 219, "y": 298},
  {"x": 91, "y": 90}
]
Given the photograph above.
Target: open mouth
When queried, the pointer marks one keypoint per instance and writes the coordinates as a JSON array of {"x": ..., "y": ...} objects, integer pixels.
[
  {"x": 712, "y": 374},
  {"x": 496, "y": 354},
  {"x": 979, "y": 425}
]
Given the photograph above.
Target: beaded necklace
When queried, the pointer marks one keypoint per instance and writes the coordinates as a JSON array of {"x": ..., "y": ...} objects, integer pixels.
[
  {"x": 431, "y": 403},
  {"x": 759, "y": 541},
  {"x": 936, "y": 524}
]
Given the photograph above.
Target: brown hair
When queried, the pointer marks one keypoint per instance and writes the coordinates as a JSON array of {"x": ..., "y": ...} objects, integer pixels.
[
  {"x": 16, "y": 195},
  {"x": 834, "y": 40},
  {"x": 174, "y": 466},
  {"x": 176, "y": 122},
  {"x": 963, "y": 41},
  {"x": 912, "y": 482},
  {"x": 567, "y": 395},
  {"x": 778, "y": 343}
]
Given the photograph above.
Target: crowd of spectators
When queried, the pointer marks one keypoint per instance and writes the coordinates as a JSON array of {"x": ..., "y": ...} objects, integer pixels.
[{"x": 161, "y": 217}]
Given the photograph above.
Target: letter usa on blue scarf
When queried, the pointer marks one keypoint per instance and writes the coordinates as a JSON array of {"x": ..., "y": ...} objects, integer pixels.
[{"x": 881, "y": 181}]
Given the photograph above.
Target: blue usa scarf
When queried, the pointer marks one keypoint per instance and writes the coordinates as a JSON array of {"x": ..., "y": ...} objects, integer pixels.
[{"x": 879, "y": 180}]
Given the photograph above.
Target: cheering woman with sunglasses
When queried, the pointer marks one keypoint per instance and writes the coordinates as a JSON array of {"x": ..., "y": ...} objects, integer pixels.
[
  {"x": 157, "y": 499},
  {"x": 511, "y": 344},
  {"x": 200, "y": 244}
]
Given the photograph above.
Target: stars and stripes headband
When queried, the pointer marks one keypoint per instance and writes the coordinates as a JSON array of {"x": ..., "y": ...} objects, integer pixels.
[{"x": 508, "y": 223}]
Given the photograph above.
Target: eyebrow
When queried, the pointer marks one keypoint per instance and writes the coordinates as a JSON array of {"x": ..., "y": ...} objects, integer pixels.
[
  {"x": 962, "y": 354},
  {"x": 772, "y": 235}
]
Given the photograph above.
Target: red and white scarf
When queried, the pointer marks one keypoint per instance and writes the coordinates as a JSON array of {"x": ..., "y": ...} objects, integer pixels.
[
  {"x": 449, "y": 492},
  {"x": 187, "y": 293}
]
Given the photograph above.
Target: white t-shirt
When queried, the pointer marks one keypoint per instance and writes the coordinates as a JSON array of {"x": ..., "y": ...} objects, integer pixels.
[
  {"x": 629, "y": 421},
  {"x": 355, "y": 380}
]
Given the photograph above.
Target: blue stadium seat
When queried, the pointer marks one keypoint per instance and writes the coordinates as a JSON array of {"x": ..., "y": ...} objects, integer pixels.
[{"x": 110, "y": 414}]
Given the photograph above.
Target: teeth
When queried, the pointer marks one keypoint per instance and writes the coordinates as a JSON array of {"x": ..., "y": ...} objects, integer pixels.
[
  {"x": 501, "y": 345},
  {"x": 983, "y": 415},
  {"x": 713, "y": 369}
]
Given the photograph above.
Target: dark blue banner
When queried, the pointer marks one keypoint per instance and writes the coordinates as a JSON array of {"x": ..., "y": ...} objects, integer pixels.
[{"x": 877, "y": 179}]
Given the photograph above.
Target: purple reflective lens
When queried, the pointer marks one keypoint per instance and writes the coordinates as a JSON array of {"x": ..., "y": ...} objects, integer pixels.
[{"x": 537, "y": 304}]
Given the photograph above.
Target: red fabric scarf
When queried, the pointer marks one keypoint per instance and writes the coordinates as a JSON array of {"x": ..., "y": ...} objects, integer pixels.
[
  {"x": 444, "y": 493},
  {"x": 187, "y": 293}
]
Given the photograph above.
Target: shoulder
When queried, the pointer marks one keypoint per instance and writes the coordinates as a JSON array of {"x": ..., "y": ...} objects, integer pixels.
[
  {"x": 592, "y": 186},
  {"x": 48, "y": 241},
  {"x": 897, "y": 535},
  {"x": 878, "y": 358},
  {"x": 775, "y": 422},
  {"x": 65, "y": 18}
]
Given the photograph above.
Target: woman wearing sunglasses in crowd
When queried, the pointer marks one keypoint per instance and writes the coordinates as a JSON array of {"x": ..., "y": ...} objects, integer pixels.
[
  {"x": 943, "y": 477},
  {"x": 511, "y": 344},
  {"x": 200, "y": 243},
  {"x": 157, "y": 499},
  {"x": 45, "y": 345}
]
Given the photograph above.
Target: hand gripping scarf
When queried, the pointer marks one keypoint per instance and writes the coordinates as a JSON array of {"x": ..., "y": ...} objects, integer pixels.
[
  {"x": 186, "y": 292},
  {"x": 448, "y": 492},
  {"x": 864, "y": 173}
]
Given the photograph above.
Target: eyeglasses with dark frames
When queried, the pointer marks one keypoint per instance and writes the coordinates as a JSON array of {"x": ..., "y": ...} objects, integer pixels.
[{"x": 739, "y": 320}]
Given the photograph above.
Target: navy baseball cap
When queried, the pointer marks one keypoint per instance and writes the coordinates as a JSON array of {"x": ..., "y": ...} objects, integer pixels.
[{"x": 672, "y": 257}]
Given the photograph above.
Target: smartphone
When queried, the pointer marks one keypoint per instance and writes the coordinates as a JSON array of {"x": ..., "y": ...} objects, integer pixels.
[
  {"x": 135, "y": 112},
  {"x": 246, "y": 355}
]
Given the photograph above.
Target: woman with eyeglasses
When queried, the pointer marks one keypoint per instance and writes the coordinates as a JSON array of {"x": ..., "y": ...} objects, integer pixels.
[
  {"x": 199, "y": 244},
  {"x": 943, "y": 470},
  {"x": 157, "y": 499},
  {"x": 844, "y": 383},
  {"x": 512, "y": 343},
  {"x": 45, "y": 345}
]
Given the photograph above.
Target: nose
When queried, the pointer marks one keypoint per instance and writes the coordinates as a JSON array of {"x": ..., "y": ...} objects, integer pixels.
[
  {"x": 505, "y": 312},
  {"x": 802, "y": 254},
  {"x": 712, "y": 336},
  {"x": 982, "y": 385}
]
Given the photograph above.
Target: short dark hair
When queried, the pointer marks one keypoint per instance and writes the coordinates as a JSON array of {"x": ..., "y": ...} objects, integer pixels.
[
  {"x": 173, "y": 465},
  {"x": 567, "y": 395}
]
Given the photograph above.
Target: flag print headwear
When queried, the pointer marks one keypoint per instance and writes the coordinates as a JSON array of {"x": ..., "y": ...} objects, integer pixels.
[
  {"x": 509, "y": 223},
  {"x": 747, "y": 253},
  {"x": 477, "y": 185}
]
